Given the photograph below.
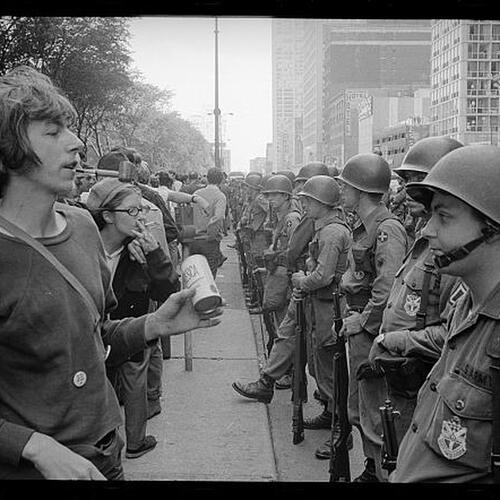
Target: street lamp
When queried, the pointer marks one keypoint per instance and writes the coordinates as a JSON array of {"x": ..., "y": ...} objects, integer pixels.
[{"x": 216, "y": 108}]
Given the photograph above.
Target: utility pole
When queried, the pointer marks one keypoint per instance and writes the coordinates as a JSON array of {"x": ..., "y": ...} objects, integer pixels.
[{"x": 216, "y": 109}]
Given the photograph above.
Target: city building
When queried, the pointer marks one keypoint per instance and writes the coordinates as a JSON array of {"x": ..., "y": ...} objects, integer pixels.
[
  {"x": 364, "y": 56},
  {"x": 258, "y": 164},
  {"x": 205, "y": 123},
  {"x": 395, "y": 141},
  {"x": 287, "y": 70},
  {"x": 465, "y": 80},
  {"x": 269, "y": 158},
  {"x": 316, "y": 33},
  {"x": 379, "y": 112}
]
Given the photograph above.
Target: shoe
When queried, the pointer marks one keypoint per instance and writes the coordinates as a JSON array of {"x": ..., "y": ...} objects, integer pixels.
[
  {"x": 147, "y": 445},
  {"x": 154, "y": 408},
  {"x": 259, "y": 390},
  {"x": 324, "y": 452},
  {"x": 321, "y": 421},
  {"x": 368, "y": 475},
  {"x": 285, "y": 382}
]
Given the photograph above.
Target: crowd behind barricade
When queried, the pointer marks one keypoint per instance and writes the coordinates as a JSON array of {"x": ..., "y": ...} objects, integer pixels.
[{"x": 387, "y": 296}]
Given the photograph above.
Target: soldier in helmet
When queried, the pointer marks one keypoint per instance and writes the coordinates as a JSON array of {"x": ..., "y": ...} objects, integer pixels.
[
  {"x": 420, "y": 297},
  {"x": 451, "y": 435},
  {"x": 274, "y": 374},
  {"x": 326, "y": 264},
  {"x": 278, "y": 190},
  {"x": 379, "y": 246},
  {"x": 255, "y": 236}
]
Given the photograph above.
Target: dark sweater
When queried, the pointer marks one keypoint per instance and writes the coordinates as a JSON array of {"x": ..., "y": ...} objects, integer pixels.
[{"x": 47, "y": 336}]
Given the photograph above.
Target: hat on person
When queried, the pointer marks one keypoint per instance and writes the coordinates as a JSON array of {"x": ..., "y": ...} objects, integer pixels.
[
  {"x": 104, "y": 191},
  {"x": 112, "y": 160}
]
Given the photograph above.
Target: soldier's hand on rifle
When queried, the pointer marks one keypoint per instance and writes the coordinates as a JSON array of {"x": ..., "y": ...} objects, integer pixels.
[
  {"x": 367, "y": 370},
  {"x": 297, "y": 279},
  {"x": 352, "y": 324}
]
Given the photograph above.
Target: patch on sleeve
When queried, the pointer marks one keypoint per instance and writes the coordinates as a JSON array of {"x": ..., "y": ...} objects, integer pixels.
[
  {"x": 382, "y": 237},
  {"x": 459, "y": 291}
]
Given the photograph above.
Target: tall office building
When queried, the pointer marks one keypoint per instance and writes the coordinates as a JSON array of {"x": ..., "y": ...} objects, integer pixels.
[
  {"x": 465, "y": 80},
  {"x": 287, "y": 63},
  {"x": 366, "y": 55},
  {"x": 316, "y": 33}
]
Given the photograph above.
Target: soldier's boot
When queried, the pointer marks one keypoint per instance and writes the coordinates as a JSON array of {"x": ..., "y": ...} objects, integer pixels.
[
  {"x": 324, "y": 451},
  {"x": 285, "y": 382},
  {"x": 262, "y": 390},
  {"x": 321, "y": 421},
  {"x": 368, "y": 475}
]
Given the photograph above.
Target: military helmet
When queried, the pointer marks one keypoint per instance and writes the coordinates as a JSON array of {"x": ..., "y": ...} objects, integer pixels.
[
  {"x": 322, "y": 188},
  {"x": 277, "y": 184},
  {"x": 367, "y": 172},
  {"x": 288, "y": 173},
  {"x": 424, "y": 154},
  {"x": 470, "y": 173},
  {"x": 313, "y": 168},
  {"x": 253, "y": 180},
  {"x": 333, "y": 171}
]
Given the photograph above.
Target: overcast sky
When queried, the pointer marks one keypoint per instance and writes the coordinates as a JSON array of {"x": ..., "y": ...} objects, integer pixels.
[{"x": 178, "y": 53}]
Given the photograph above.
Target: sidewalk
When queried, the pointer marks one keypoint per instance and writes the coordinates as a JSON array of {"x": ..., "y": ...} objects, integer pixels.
[{"x": 202, "y": 432}]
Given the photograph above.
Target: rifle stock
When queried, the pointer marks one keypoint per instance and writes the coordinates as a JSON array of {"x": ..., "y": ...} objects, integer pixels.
[
  {"x": 339, "y": 467},
  {"x": 299, "y": 387}
]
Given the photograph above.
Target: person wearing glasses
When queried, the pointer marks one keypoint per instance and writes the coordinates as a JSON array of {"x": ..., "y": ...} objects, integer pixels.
[{"x": 120, "y": 214}]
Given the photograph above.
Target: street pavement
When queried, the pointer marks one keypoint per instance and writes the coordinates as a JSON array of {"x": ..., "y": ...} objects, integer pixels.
[{"x": 206, "y": 431}]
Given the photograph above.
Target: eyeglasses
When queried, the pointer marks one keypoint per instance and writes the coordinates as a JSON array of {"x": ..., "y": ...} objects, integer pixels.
[{"x": 132, "y": 211}]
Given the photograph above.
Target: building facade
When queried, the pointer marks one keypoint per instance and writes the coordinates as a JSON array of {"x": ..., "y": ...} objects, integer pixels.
[
  {"x": 395, "y": 141},
  {"x": 377, "y": 112},
  {"x": 287, "y": 71},
  {"x": 465, "y": 80},
  {"x": 364, "y": 56}
]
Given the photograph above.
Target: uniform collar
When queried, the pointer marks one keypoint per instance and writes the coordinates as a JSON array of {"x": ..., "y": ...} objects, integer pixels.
[
  {"x": 490, "y": 307},
  {"x": 374, "y": 217},
  {"x": 332, "y": 216}
]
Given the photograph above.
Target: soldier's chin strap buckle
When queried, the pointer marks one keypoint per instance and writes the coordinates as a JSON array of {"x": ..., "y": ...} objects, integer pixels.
[{"x": 459, "y": 253}]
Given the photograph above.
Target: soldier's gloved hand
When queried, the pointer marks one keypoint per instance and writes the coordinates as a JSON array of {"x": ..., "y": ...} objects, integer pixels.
[
  {"x": 352, "y": 324},
  {"x": 366, "y": 370},
  {"x": 297, "y": 279}
]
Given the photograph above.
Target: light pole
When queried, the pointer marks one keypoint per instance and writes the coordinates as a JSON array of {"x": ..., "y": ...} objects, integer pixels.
[{"x": 216, "y": 108}]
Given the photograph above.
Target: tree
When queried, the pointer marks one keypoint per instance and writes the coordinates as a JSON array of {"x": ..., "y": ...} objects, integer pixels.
[{"x": 87, "y": 57}]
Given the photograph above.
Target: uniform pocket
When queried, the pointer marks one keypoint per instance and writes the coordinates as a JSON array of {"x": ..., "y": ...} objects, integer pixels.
[
  {"x": 362, "y": 260},
  {"x": 460, "y": 429}
]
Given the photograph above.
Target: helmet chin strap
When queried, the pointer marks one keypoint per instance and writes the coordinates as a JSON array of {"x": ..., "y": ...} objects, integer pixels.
[{"x": 459, "y": 253}]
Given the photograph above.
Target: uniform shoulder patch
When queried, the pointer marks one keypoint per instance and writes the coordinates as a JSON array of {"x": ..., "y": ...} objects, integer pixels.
[
  {"x": 382, "y": 237},
  {"x": 458, "y": 292}
]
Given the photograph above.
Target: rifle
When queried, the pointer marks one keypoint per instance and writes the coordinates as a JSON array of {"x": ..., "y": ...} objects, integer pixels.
[
  {"x": 242, "y": 258},
  {"x": 495, "y": 449},
  {"x": 390, "y": 445},
  {"x": 299, "y": 386},
  {"x": 339, "y": 467}
]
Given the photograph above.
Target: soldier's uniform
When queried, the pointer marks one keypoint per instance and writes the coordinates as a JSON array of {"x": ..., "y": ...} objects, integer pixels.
[
  {"x": 328, "y": 261},
  {"x": 276, "y": 292},
  {"x": 420, "y": 298},
  {"x": 379, "y": 246},
  {"x": 450, "y": 438}
]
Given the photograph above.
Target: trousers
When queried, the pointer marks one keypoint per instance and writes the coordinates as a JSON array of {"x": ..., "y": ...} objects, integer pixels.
[{"x": 130, "y": 382}]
